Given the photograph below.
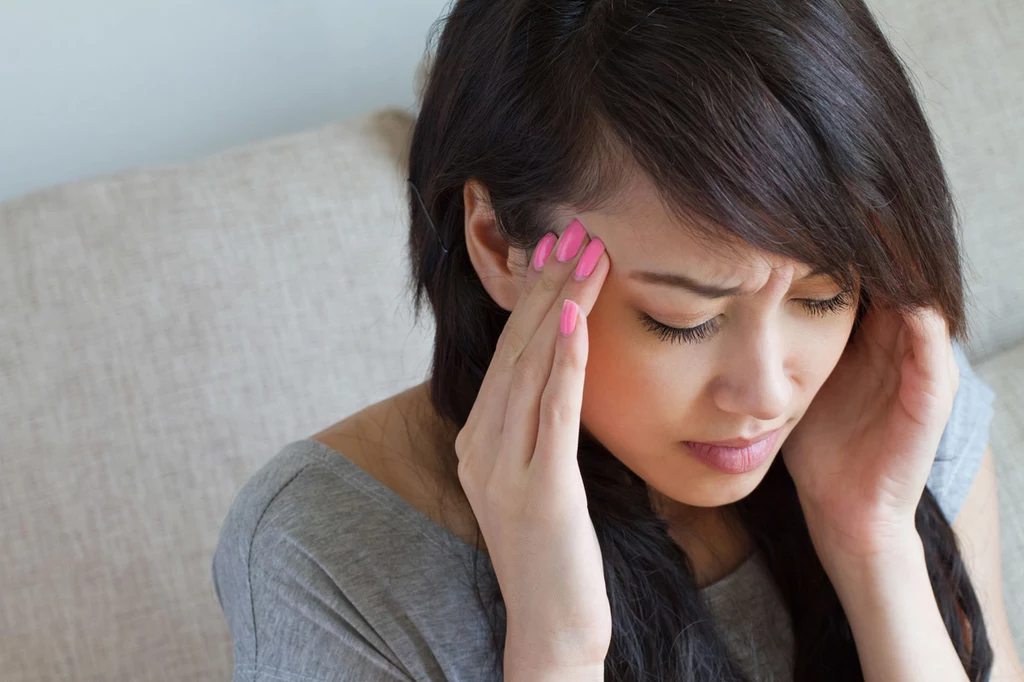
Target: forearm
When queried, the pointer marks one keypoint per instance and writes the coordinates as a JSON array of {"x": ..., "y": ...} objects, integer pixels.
[{"x": 895, "y": 619}]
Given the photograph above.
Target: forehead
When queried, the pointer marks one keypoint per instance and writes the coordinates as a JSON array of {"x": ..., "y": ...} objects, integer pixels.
[{"x": 641, "y": 233}]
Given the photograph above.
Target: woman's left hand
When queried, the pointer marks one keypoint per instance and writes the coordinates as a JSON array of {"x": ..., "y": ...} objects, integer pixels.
[{"x": 862, "y": 452}]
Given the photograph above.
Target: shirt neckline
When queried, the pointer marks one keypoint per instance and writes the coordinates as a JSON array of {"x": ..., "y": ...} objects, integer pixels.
[{"x": 372, "y": 486}]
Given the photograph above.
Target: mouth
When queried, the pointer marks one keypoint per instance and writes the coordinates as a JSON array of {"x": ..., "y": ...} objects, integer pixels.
[
  {"x": 735, "y": 460},
  {"x": 738, "y": 443}
]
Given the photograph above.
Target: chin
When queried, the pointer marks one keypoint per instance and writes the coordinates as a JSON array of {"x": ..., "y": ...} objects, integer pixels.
[{"x": 707, "y": 488}]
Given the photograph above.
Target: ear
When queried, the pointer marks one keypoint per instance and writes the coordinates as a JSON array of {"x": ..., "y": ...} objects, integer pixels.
[{"x": 501, "y": 269}]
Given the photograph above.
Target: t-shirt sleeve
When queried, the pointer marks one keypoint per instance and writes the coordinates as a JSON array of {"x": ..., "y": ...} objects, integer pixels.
[
  {"x": 964, "y": 439},
  {"x": 289, "y": 620}
]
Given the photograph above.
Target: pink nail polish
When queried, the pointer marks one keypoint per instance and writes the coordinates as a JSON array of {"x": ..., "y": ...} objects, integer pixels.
[
  {"x": 569, "y": 310},
  {"x": 588, "y": 261},
  {"x": 569, "y": 245},
  {"x": 540, "y": 255}
]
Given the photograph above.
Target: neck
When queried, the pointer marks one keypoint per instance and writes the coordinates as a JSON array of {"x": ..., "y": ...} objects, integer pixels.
[{"x": 712, "y": 537}]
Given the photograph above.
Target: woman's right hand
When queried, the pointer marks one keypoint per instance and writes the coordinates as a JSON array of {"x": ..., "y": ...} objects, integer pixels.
[{"x": 518, "y": 466}]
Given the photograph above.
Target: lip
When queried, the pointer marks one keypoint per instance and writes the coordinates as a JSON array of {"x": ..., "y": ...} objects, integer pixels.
[
  {"x": 733, "y": 460},
  {"x": 737, "y": 442}
]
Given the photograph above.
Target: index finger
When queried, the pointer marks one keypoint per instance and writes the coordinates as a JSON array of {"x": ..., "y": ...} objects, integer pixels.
[{"x": 545, "y": 290}]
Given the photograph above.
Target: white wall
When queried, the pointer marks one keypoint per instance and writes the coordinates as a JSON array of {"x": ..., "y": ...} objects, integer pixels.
[{"x": 94, "y": 86}]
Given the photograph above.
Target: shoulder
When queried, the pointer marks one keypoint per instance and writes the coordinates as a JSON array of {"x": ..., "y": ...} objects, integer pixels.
[
  {"x": 284, "y": 590},
  {"x": 319, "y": 569},
  {"x": 274, "y": 503},
  {"x": 964, "y": 439},
  {"x": 311, "y": 508}
]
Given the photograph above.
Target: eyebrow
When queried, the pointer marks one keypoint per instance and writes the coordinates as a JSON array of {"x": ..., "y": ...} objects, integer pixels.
[{"x": 695, "y": 287}]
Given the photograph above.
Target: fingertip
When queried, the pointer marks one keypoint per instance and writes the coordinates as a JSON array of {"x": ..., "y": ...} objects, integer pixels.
[
  {"x": 928, "y": 322},
  {"x": 570, "y": 317},
  {"x": 604, "y": 262},
  {"x": 543, "y": 251}
]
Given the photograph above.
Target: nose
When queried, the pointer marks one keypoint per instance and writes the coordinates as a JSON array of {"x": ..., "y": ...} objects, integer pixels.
[{"x": 754, "y": 381}]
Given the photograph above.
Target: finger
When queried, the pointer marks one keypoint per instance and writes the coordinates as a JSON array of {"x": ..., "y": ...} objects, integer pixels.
[
  {"x": 535, "y": 365},
  {"x": 523, "y": 322},
  {"x": 538, "y": 258},
  {"x": 562, "y": 400},
  {"x": 486, "y": 420},
  {"x": 929, "y": 332},
  {"x": 491, "y": 401},
  {"x": 929, "y": 394}
]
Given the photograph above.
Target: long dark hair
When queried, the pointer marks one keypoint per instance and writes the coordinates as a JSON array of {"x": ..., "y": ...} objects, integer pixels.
[{"x": 789, "y": 124}]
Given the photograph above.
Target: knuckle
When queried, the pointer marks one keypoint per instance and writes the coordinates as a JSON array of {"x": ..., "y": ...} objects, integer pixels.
[
  {"x": 557, "y": 411},
  {"x": 548, "y": 284},
  {"x": 497, "y": 495},
  {"x": 463, "y": 470},
  {"x": 467, "y": 474},
  {"x": 512, "y": 347},
  {"x": 461, "y": 444},
  {"x": 570, "y": 360},
  {"x": 526, "y": 375},
  {"x": 466, "y": 445}
]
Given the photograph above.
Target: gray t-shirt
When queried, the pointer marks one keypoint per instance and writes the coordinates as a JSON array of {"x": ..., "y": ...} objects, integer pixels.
[{"x": 327, "y": 575}]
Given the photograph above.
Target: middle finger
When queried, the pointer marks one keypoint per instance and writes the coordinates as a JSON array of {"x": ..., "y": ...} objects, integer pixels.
[{"x": 539, "y": 295}]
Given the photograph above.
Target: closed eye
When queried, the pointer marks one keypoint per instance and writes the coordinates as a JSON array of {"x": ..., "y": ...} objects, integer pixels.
[{"x": 818, "y": 308}]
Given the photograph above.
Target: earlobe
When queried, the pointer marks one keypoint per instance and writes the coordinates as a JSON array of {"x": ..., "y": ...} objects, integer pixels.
[{"x": 490, "y": 254}]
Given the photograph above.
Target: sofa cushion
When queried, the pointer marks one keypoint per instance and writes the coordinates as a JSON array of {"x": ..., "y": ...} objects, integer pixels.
[{"x": 163, "y": 332}]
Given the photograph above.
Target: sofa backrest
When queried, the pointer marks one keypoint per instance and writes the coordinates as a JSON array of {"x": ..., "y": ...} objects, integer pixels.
[{"x": 163, "y": 333}]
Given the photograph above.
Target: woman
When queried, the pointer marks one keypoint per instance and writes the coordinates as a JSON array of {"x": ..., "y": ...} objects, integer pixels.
[{"x": 698, "y": 408}]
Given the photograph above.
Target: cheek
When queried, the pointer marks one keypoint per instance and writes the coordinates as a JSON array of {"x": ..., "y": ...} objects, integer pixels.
[
  {"x": 628, "y": 399},
  {"x": 824, "y": 355},
  {"x": 610, "y": 370}
]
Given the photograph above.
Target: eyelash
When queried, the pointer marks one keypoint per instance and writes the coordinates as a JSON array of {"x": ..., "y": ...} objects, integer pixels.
[{"x": 702, "y": 332}]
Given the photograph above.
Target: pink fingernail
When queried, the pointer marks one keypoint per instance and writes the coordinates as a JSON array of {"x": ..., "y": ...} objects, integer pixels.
[
  {"x": 569, "y": 245},
  {"x": 569, "y": 310},
  {"x": 540, "y": 255},
  {"x": 588, "y": 261}
]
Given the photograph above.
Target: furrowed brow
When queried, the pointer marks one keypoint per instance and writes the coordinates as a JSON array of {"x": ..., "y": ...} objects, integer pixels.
[{"x": 704, "y": 289}]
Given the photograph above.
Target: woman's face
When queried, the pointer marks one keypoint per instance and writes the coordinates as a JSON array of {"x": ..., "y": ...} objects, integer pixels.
[{"x": 753, "y": 365}]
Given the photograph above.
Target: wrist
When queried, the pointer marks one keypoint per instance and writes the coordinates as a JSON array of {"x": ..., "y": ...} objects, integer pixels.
[
  {"x": 530, "y": 672},
  {"x": 569, "y": 657},
  {"x": 839, "y": 552},
  {"x": 559, "y": 645},
  {"x": 890, "y": 604},
  {"x": 882, "y": 573}
]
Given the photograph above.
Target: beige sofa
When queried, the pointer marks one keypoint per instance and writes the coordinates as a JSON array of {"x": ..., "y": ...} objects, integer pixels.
[{"x": 165, "y": 331}]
